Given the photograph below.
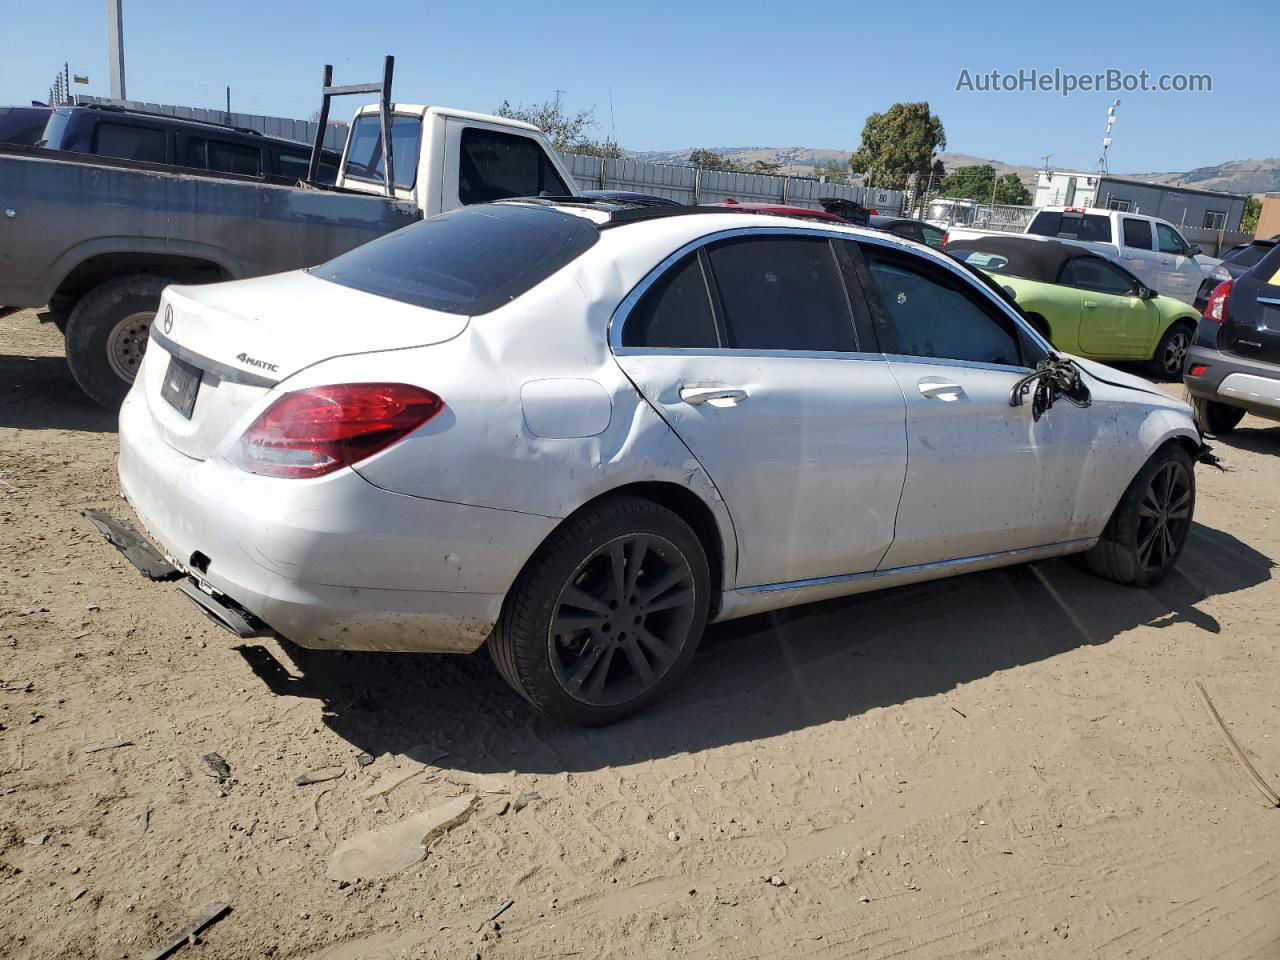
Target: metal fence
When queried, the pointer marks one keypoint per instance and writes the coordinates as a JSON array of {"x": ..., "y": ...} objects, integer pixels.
[
  {"x": 304, "y": 131},
  {"x": 695, "y": 185}
]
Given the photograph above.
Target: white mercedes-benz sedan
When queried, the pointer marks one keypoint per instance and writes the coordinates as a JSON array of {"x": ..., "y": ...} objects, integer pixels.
[{"x": 579, "y": 432}]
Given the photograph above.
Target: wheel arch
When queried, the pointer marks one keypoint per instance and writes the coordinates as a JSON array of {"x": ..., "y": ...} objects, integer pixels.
[{"x": 88, "y": 265}]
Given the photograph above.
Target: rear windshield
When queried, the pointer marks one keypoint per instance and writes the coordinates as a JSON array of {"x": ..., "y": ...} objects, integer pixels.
[
  {"x": 1093, "y": 227},
  {"x": 1249, "y": 255},
  {"x": 364, "y": 157},
  {"x": 468, "y": 261}
]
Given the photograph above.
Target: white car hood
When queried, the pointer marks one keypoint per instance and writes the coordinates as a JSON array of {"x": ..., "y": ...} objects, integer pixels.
[{"x": 1120, "y": 378}]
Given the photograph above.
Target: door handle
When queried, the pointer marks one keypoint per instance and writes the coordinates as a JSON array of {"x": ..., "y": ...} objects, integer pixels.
[
  {"x": 1091, "y": 304},
  {"x": 940, "y": 390},
  {"x": 716, "y": 396}
]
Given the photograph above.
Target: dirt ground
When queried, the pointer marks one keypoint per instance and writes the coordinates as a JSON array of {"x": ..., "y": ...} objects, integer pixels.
[{"x": 1015, "y": 763}]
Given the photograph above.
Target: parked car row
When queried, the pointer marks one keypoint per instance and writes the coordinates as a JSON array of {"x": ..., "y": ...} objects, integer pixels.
[{"x": 578, "y": 431}]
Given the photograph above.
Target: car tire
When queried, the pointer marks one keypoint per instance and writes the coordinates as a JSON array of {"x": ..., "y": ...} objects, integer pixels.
[
  {"x": 1171, "y": 353},
  {"x": 586, "y": 576},
  {"x": 1133, "y": 550},
  {"x": 1216, "y": 418},
  {"x": 107, "y": 333}
]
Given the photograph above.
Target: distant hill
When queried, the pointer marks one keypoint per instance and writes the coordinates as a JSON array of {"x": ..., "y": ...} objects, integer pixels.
[{"x": 1233, "y": 176}]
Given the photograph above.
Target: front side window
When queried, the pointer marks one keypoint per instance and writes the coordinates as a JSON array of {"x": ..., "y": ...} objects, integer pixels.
[
  {"x": 1137, "y": 234},
  {"x": 675, "y": 312},
  {"x": 934, "y": 314},
  {"x": 468, "y": 261},
  {"x": 1097, "y": 276},
  {"x": 782, "y": 293},
  {"x": 500, "y": 166},
  {"x": 1169, "y": 240},
  {"x": 130, "y": 142},
  {"x": 364, "y": 157}
]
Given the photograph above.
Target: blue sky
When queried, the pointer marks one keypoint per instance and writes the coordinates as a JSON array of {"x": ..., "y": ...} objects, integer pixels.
[{"x": 706, "y": 74}]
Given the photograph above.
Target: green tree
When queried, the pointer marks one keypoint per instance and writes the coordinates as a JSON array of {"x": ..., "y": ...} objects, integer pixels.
[
  {"x": 764, "y": 166},
  {"x": 832, "y": 169},
  {"x": 898, "y": 144},
  {"x": 1252, "y": 210},
  {"x": 710, "y": 160},
  {"x": 981, "y": 183},
  {"x": 566, "y": 130}
]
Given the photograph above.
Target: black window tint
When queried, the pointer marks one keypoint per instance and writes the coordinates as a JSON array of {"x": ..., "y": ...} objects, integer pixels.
[
  {"x": 1091, "y": 227},
  {"x": 1098, "y": 276},
  {"x": 675, "y": 311},
  {"x": 223, "y": 156},
  {"x": 294, "y": 165},
  {"x": 934, "y": 315},
  {"x": 1137, "y": 234},
  {"x": 467, "y": 261},
  {"x": 499, "y": 166},
  {"x": 932, "y": 236},
  {"x": 1248, "y": 255},
  {"x": 364, "y": 158},
  {"x": 908, "y": 230},
  {"x": 130, "y": 142},
  {"x": 782, "y": 293}
]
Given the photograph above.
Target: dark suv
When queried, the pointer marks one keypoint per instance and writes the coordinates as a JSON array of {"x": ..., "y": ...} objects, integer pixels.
[
  {"x": 1233, "y": 368},
  {"x": 108, "y": 131},
  {"x": 23, "y": 125}
]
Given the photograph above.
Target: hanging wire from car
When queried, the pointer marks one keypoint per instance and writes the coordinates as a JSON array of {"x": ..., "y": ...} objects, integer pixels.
[{"x": 1054, "y": 377}]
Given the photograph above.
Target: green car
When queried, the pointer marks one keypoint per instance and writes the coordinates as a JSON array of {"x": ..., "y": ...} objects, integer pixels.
[{"x": 1084, "y": 303}]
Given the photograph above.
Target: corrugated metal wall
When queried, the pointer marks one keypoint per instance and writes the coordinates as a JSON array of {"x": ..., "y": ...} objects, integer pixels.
[
  {"x": 692, "y": 185},
  {"x": 304, "y": 131}
]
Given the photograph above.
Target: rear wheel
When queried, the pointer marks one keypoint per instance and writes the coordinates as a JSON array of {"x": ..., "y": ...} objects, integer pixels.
[
  {"x": 1149, "y": 528},
  {"x": 1216, "y": 418},
  {"x": 1171, "y": 353},
  {"x": 608, "y": 614},
  {"x": 107, "y": 335}
]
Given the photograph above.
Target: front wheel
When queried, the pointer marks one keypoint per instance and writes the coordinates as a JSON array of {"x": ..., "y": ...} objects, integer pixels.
[
  {"x": 1171, "y": 353},
  {"x": 1216, "y": 418},
  {"x": 107, "y": 334},
  {"x": 1146, "y": 533},
  {"x": 607, "y": 615}
]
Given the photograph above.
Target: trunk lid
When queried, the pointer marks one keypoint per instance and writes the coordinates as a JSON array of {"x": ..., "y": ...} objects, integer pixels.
[{"x": 217, "y": 350}]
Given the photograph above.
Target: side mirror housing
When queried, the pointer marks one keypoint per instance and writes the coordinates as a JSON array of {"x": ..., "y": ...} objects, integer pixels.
[
  {"x": 1146, "y": 293},
  {"x": 1194, "y": 250}
]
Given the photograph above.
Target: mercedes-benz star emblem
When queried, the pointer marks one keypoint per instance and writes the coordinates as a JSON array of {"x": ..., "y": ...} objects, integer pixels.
[{"x": 168, "y": 318}]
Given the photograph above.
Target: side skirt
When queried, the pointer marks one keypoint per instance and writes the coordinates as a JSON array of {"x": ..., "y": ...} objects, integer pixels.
[{"x": 746, "y": 601}]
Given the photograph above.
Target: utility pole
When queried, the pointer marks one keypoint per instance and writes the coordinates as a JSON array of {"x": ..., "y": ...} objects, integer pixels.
[
  {"x": 1046, "y": 158},
  {"x": 115, "y": 47},
  {"x": 1106, "y": 141}
]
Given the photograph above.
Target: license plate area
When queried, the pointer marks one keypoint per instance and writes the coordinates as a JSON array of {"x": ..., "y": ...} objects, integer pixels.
[{"x": 181, "y": 384}]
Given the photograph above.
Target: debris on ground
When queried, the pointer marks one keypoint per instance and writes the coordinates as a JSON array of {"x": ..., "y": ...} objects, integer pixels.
[
  {"x": 364, "y": 759},
  {"x": 480, "y": 782},
  {"x": 1263, "y": 787},
  {"x": 407, "y": 767},
  {"x": 181, "y": 937},
  {"x": 221, "y": 769},
  {"x": 38, "y": 840},
  {"x": 107, "y": 745},
  {"x": 374, "y": 854},
  {"x": 777, "y": 881},
  {"x": 319, "y": 776},
  {"x": 524, "y": 800}
]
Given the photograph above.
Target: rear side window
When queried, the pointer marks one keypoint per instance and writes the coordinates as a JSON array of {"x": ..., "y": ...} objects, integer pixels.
[
  {"x": 782, "y": 293},
  {"x": 1098, "y": 276},
  {"x": 499, "y": 166},
  {"x": 675, "y": 312},
  {"x": 1090, "y": 227},
  {"x": 295, "y": 164},
  {"x": 364, "y": 158},
  {"x": 1137, "y": 234},
  {"x": 934, "y": 315},
  {"x": 468, "y": 261},
  {"x": 130, "y": 142},
  {"x": 223, "y": 156}
]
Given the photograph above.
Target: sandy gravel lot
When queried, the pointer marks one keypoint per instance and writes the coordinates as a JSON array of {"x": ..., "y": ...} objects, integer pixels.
[{"x": 1015, "y": 763}]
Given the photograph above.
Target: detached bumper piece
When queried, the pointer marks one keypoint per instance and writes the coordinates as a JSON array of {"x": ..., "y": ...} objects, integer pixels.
[
  {"x": 122, "y": 535},
  {"x": 225, "y": 614}
]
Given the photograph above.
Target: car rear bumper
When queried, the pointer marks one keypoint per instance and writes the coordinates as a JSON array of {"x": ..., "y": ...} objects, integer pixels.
[
  {"x": 1252, "y": 385},
  {"x": 330, "y": 563}
]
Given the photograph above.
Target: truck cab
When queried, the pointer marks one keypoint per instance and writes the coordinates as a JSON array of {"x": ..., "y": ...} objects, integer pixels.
[{"x": 443, "y": 158}]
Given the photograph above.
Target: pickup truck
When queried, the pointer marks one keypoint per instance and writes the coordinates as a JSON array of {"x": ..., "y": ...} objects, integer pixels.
[
  {"x": 1149, "y": 247},
  {"x": 97, "y": 239}
]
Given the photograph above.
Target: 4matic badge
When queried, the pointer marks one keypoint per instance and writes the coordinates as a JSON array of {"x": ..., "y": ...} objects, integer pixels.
[{"x": 260, "y": 364}]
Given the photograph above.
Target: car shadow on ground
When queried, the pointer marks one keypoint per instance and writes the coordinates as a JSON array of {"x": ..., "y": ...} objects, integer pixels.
[
  {"x": 763, "y": 676},
  {"x": 39, "y": 393},
  {"x": 1264, "y": 440}
]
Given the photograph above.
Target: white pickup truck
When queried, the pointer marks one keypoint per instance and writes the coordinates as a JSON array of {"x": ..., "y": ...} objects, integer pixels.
[
  {"x": 1148, "y": 247},
  {"x": 98, "y": 238}
]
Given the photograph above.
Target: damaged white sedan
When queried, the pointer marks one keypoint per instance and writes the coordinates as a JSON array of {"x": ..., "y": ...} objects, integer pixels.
[{"x": 580, "y": 432}]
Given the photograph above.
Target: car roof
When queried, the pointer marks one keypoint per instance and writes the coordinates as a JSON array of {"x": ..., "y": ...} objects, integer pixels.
[
  {"x": 779, "y": 209},
  {"x": 116, "y": 110},
  {"x": 1026, "y": 257}
]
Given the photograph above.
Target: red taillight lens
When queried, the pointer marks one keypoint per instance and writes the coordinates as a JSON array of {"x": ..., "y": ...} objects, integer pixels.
[
  {"x": 1197, "y": 370},
  {"x": 945, "y": 238},
  {"x": 309, "y": 433},
  {"x": 1216, "y": 308}
]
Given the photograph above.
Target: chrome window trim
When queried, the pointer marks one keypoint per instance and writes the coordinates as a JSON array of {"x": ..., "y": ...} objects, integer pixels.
[
  {"x": 619, "y": 318},
  {"x": 1082, "y": 543}
]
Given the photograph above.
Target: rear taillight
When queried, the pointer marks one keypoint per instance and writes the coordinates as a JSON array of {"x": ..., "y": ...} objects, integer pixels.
[
  {"x": 1216, "y": 308},
  {"x": 945, "y": 237},
  {"x": 1196, "y": 370},
  {"x": 308, "y": 433}
]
